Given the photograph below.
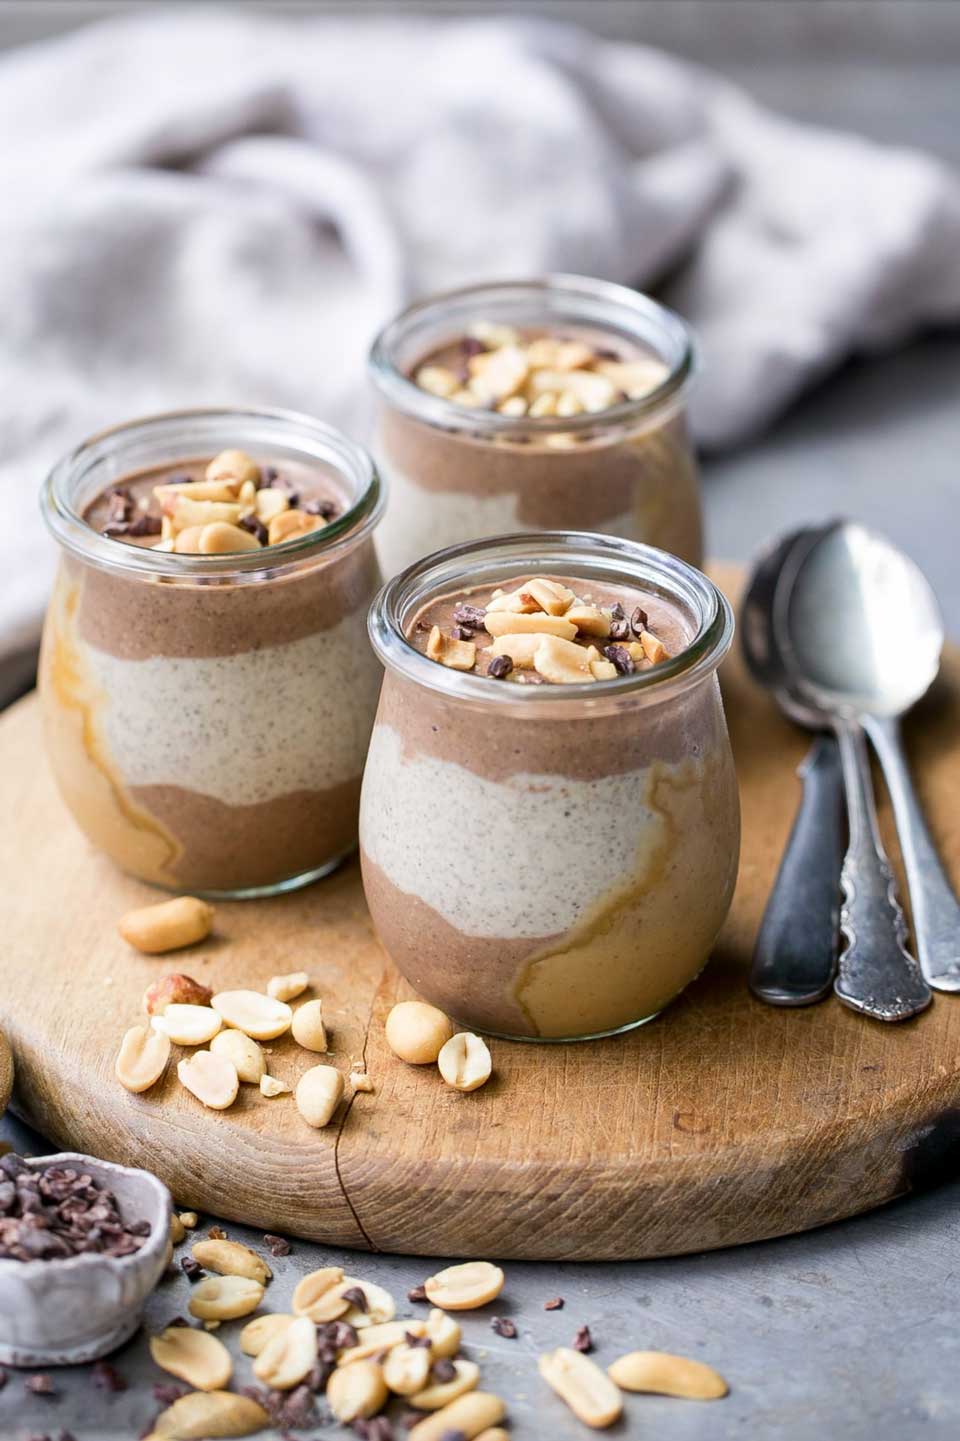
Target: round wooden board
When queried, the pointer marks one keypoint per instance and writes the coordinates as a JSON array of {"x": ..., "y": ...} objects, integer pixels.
[{"x": 722, "y": 1122}]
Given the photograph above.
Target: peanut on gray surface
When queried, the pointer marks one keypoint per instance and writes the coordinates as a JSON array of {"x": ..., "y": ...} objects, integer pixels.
[
  {"x": 464, "y": 1062},
  {"x": 261, "y": 1329},
  {"x": 246, "y": 1055},
  {"x": 444, "y": 1333},
  {"x": 194, "y": 1356},
  {"x": 230, "y": 1258},
  {"x": 317, "y": 1295},
  {"x": 168, "y": 925},
  {"x": 212, "y": 1079},
  {"x": 202, "y": 1414},
  {"x": 588, "y": 1391},
  {"x": 318, "y": 1095},
  {"x": 223, "y": 1298},
  {"x": 383, "y": 1338},
  {"x": 440, "y": 1393},
  {"x": 308, "y": 1028},
  {"x": 357, "y": 1391},
  {"x": 379, "y": 1306},
  {"x": 142, "y": 1058},
  {"x": 461, "y": 1288},
  {"x": 417, "y": 1032},
  {"x": 667, "y": 1375},
  {"x": 469, "y": 1415},
  {"x": 406, "y": 1368},
  {"x": 288, "y": 1356}
]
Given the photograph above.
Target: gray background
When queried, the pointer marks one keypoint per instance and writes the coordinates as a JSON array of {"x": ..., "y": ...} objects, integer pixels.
[{"x": 849, "y": 1332}]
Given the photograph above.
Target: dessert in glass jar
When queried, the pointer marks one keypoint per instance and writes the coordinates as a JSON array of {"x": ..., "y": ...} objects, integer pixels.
[
  {"x": 549, "y": 823},
  {"x": 535, "y": 405},
  {"x": 207, "y": 685}
]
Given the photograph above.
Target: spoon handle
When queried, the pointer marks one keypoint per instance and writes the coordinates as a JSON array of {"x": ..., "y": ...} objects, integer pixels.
[
  {"x": 796, "y": 951},
  {"x": 936, "y": 910},
  {"x": 877, "y": 974}
]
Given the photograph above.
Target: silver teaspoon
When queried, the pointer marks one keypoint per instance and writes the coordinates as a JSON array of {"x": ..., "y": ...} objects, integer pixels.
[
  {"x": 795, "y": 954},
  {"x": 832, "y": 639},
  {"x": 886, "y": 660}
]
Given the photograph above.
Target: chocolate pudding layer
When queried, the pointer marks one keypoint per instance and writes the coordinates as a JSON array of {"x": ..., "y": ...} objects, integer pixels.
[
  {"x": 543, "y": 870},
  {"x": 488, "y": 427},
  {"x": 207, "y": 721}
]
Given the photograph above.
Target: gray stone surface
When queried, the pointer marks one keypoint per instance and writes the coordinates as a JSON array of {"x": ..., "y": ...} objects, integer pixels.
[{"x": 848, "y": 1333}]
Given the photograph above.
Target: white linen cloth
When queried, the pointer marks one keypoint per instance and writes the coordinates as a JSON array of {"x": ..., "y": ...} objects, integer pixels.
[{"x": 210, "y": 206}]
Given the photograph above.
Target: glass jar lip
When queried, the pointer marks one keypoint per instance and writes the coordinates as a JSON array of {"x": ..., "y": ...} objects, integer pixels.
[
  {"x": 67, "y": 525},
  {"x": 398, "y": 388},
  {"x": 549, "y": 551}
]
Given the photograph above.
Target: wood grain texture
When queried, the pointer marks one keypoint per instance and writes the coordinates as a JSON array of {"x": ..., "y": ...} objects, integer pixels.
[
  {"x": 722, "y": 1122},
  {"x": 6, "y": 1073}
]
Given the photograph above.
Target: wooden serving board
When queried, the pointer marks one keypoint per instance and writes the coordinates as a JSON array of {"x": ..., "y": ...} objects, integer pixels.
[{"x": 722, "y": 1122}]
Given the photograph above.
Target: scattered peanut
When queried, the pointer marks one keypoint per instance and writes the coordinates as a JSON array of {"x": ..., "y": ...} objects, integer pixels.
[
  {"x": 380, "y": 1305},
  {"x": 308, "y": 1028},
  {"x": 374, "y": 1339},
  {"x": 318, "y": 1095},
  {"x": 245, "y": 1054},
  {"x": 444, "y": 1333},
  {"x": 210, "y": 1413},
  {"x": 257, "y": 1015},
  {"x": 417, "y": 1032},
  {"x": 262, "y": 1329},
  {"x": 187, "y": 1025},
  {"x": 188, "y": 1220},
  {"x": 195, "y": 1356},
  {"x": 406, "y": 1368},
  {"x": 590, "y": 1394},
  {"x": 270, "y": 1087},
  {"x": 230, "y": 1258},
  {"x": 289, "y": 1356},
  {"x": 142, "y": 1058},
  {"x": 468, "y": 1416},
  {"x": 287, "y": 988},
  {"x": 222, "y": 1298},
  {"x": 168, "y": 926},
  {"x": 441, "y": 1393},
  {"x": 318, "y": 1296},
  {"x": 667, "y": 1375},
  {"x": 174, "y": 989},
  {"x": 464, "y": 1062},
  {"x": 462, "y": 1288},
  {"x": 357, "y": 1391},
  {"x": 177, "y": 1230},
  {"x": 212, "y": 1079}
]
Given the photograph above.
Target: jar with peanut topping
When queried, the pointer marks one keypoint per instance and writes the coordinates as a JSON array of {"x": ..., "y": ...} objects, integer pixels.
[
  {"x": 556, "y": 403},
  {"x": 549, "y": 822},
  {"x": 207, "y": 685}
]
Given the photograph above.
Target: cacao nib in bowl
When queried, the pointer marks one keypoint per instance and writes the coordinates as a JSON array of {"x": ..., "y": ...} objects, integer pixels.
[{"x": 106, "y": 1249}]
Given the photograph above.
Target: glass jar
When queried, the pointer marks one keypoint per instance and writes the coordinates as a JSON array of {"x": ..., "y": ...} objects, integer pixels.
[
  {"x": 550, "y": 862},
  {"x": 460, "y": 474},
  {"x": 207, "y": 716}
]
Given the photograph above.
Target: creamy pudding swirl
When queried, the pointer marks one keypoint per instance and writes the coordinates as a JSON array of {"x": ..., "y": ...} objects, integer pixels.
[
  {"x": 539, "y": 631},
  {"x": 549, "y": 838}
]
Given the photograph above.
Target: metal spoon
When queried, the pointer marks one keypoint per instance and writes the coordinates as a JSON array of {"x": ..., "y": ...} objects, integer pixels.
[
  {"x": 888, "y": 658},
  {"x": 796, "y": 948},
  {"x": 841, "y": 607}
]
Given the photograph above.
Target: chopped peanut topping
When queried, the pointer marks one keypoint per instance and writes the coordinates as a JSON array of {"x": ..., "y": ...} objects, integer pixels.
[{"x": 457, "y": 654}]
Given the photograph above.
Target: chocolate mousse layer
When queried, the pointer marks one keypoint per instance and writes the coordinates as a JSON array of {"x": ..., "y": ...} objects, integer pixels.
[{"x": 208, "y": 731}]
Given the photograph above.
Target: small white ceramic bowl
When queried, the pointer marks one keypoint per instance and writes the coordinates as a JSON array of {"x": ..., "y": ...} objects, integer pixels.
[{"x": 59, "y": 1312}]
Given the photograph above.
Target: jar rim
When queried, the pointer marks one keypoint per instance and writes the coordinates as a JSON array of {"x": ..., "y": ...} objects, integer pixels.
[
  {"x": 594, "y": 555},
  {"x": 319, "y": 441},
  {"x": 587, "y": 295}
]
